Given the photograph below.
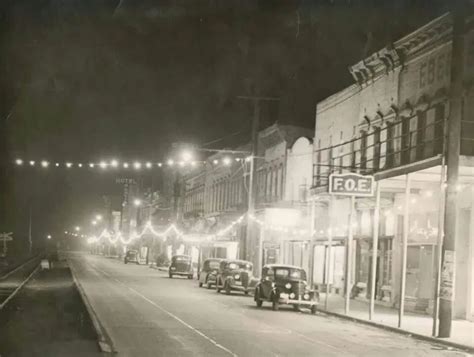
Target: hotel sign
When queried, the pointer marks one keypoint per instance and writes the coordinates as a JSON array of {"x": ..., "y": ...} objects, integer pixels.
[{"x": 351, "y": 185}]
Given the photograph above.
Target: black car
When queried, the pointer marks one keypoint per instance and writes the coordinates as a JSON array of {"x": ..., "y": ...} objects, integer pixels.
[
  {"x": 181, "y": 265},
  {"x": 131, "y": 256},
  {"x": 234, "y": 275},
  {"x": 207, "y": 275},
  {"x": 285, "y": 284}
]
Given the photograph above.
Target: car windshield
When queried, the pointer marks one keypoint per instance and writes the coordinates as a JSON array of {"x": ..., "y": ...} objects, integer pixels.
[
  {"x": 285, "y": 273},
  {"x": 181, "y": 259},
  {"x": 235, "y": 265},
  {"x": 214, "y": 265}
]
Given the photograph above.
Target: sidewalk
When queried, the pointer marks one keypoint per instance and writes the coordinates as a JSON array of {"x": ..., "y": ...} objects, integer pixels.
[{"x": 462, "y": 330}]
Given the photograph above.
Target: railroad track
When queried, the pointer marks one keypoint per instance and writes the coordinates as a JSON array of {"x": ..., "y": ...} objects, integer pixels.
[{"x": 13, "y": 280}]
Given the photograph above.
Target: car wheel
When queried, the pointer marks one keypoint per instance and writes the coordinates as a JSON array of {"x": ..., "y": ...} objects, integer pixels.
[
  {"x": 246, "y": 292},
  {"x": 217, "y": 286},
  {"x": 296, "y": 307},
  {"x": 313, "y": 309},
  {"x": 275, "y": 304},
  {"x": 200, "y": 285},
  {"x": 208, "y": 285},
  {"x": 170, "y": 275},
  {"x": 125, "y": 261},
  {"x": 227, "y": 288},
  {"x": 257, "y": 299},
  {"x": 190, "y": 276}
]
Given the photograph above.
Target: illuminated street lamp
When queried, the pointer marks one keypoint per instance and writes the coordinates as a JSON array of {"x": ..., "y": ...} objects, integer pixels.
[
  {"x": 77, "y": 228},
  {"x": 49, "y": 236},
  {"x": 19, "y": 161},
  {"x": 98, "y": 217},
  {"x": 94, "y": 223},
  {"x": 187, "y": 156},
  {"x": 137, "y": 202}
]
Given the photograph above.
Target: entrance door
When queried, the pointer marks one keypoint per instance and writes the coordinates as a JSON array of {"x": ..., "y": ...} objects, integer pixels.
[{"x": 419, "y": 278}]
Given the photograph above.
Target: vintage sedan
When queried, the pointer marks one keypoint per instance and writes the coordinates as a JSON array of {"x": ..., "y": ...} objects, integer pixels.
[
  {"x": 131, "y": 256},
  {"x": 234, "y": 275},
  {"x": 208, "y": 273},
  {"x": 181, "y": 265},
  {"x": 285, "y": 284}
]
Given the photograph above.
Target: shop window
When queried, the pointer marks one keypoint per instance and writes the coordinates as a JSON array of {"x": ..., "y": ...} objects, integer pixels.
[
  {"x": 377, "y": 149},
  {"x": 279, "y": 184},
  {"x": 413, "y": 138},
  {"x": 397, "y": 143},
  {"x": 363, "y": 150},
  {"x": 274, "y": 184},
  {"x": 439, "y": 122},
  {"x": 269, "y": 185},
  {"x": 318, "y": 164},
  {"x": 405, "y": 139}
]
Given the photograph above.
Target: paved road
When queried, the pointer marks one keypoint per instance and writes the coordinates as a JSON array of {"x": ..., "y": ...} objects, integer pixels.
[{"x": 148, "y": 314}]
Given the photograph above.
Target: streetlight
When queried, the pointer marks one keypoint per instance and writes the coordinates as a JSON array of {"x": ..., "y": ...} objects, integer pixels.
[
  {"x": 94, "y": 223},
  {"x": 77, "y": 228},
  {"x": 49, "y": 236},
  {"x": 137, "y": 202},
  {"x": 187, "y": 156},
  {"x": 98, "y": 217},
  {"x": 19, "y": 161}
]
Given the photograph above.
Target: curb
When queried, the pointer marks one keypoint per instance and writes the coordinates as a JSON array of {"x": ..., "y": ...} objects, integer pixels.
[
  {"x": 104, "y": 340},
  {"x": 406, "y": 333}
]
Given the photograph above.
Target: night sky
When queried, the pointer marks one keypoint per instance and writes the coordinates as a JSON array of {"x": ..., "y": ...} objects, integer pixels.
[{"x": 84, "y": 80}]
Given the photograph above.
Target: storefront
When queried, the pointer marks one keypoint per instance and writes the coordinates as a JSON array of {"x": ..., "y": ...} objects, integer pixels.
[{"x": 421, "y": 205}]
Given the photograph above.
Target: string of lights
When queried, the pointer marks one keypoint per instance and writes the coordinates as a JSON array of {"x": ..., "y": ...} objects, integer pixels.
[
  {"x": 116, "y": 164},
  {"x": 114, "y": 238}
]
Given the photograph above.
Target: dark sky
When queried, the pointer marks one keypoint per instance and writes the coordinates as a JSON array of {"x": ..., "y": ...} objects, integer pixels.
[{"x": 89, "y": 79}]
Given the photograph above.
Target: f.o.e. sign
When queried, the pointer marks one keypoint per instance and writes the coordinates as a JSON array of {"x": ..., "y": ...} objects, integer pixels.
[{"x": 351, "y": 185}]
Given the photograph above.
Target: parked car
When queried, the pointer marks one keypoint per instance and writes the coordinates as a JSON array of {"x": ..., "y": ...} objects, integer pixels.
[
  {"x": 181, "y": 265},
  {"x": 131, "y": 256},
  {"x": 207, "y": 275},
  {"x": 234, "y": 275},
  {"x": 285, "y": 284}
]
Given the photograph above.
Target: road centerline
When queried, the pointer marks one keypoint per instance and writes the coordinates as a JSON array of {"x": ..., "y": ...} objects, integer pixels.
[{"x": 184, "y": 323}]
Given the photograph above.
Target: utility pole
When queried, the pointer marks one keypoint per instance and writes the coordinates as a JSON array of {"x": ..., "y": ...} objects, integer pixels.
[
  {"x": 252, "y": 189},
  {"x": 448, "y": 275}
]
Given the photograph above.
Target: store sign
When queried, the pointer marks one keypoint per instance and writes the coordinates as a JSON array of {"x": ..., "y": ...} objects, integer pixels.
[{"x": 351, "y": 185}]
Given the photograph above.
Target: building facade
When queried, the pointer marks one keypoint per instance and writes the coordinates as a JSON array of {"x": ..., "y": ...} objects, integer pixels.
[
  {"x": 216, "y": 195},
  {"x": 391, "y": 123}
]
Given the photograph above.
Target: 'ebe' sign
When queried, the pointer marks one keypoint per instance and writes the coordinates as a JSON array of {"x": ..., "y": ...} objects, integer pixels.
[{"x": 351, "y": 185}]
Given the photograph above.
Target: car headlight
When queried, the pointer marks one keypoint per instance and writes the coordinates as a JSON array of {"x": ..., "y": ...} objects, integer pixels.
[
  {"x": 306, "y": 296},
  {"x": 292, "y": 296},
  {"x": 236, "y": 276},
  {"x": 288, "y": 285}
]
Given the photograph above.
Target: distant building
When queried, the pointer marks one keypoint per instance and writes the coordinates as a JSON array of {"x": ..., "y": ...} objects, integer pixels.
[{"x": 216, "y": 194}]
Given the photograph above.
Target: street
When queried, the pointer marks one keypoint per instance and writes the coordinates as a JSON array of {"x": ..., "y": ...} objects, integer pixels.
[{"x": 148, "y": 314}]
